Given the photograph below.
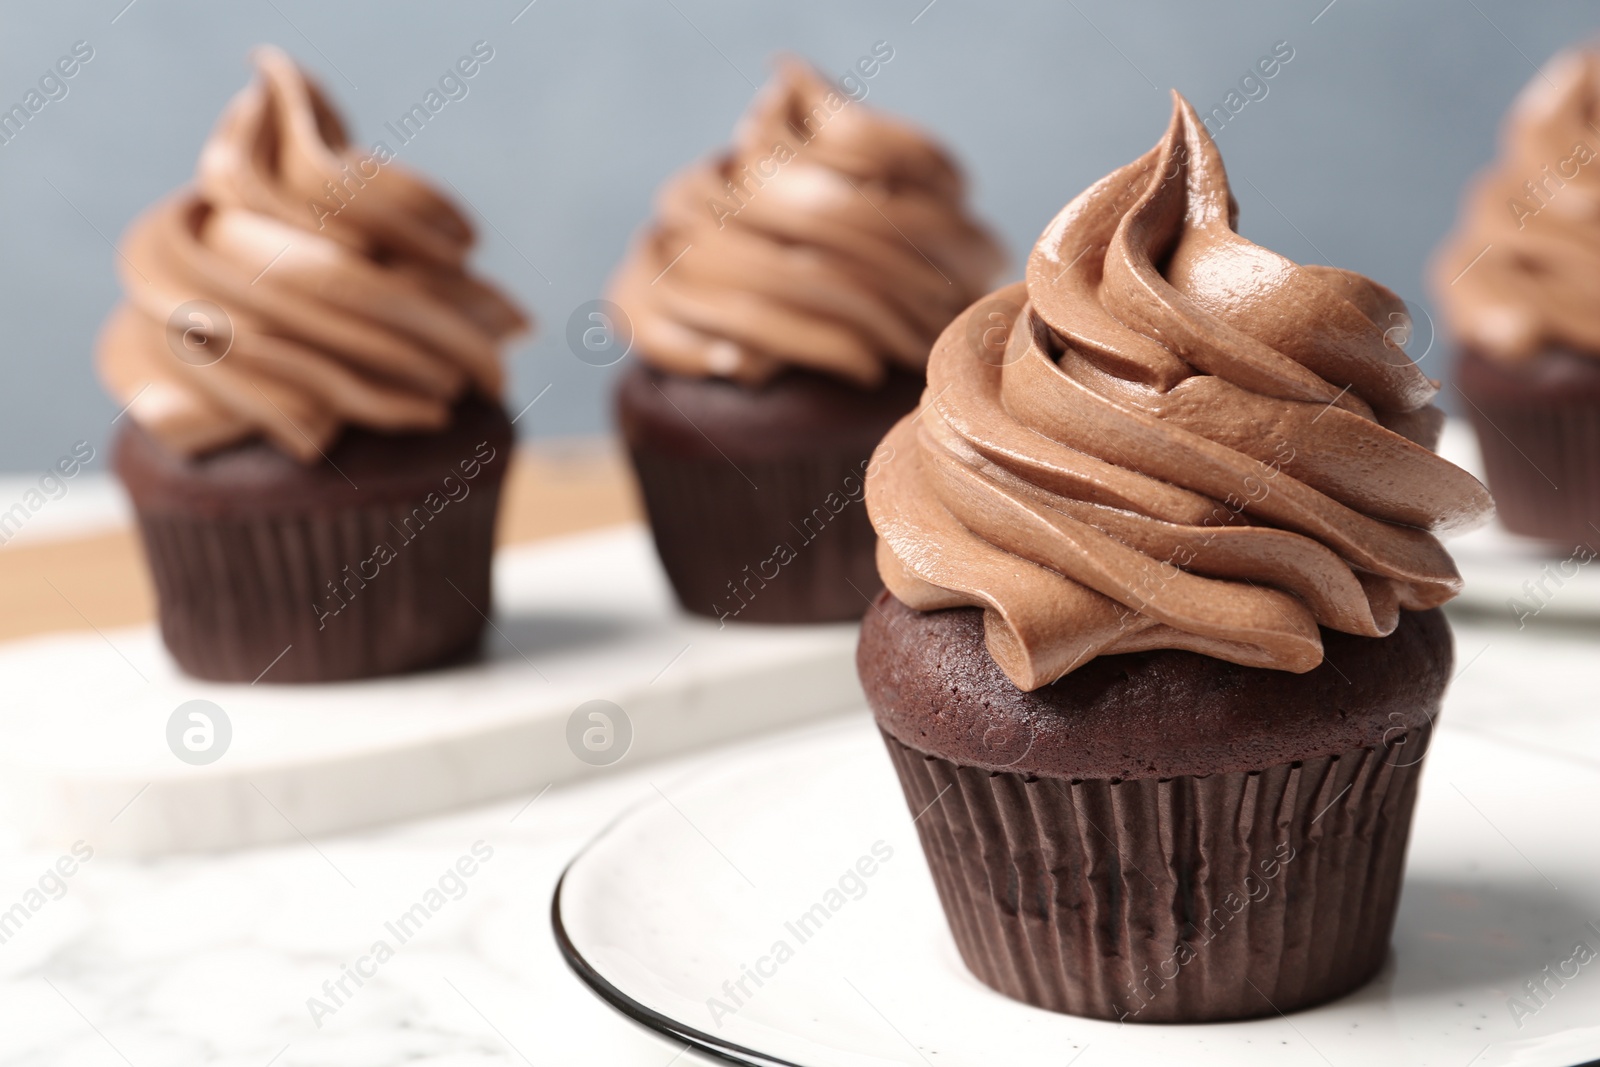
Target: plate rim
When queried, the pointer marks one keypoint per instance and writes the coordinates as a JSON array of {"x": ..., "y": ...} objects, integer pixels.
[{"x": 645, "y": 1016}]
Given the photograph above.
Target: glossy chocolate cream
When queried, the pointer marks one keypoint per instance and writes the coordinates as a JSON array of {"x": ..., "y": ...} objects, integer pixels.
[
  {"x": 829, "y": 238},
  {"x": 1521, "y": 273},
  {"x": 1186, "y": 441},
  {"x": 301, "y": 286}
]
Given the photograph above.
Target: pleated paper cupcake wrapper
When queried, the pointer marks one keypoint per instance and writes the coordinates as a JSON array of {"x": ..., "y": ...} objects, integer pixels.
[
  {"x": 1543, "y": 469},
  {"x": 764, "y": 541},
  {"x": 323, "y": 596},
  {"x": 1190, "y": 899}
]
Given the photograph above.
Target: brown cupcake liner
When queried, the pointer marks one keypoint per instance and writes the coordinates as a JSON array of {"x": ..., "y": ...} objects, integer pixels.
[
  {"x": 1189, "y": 899},
  {"x": 1538, "y": 427},
  {"x": 237, "y": 593},
  {"x": 1543, "y": 468},
  {"x": 781, "y": 541}
]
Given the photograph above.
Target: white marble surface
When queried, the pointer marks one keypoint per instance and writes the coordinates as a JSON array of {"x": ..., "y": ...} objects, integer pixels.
[{"x": 212, "y": 958}]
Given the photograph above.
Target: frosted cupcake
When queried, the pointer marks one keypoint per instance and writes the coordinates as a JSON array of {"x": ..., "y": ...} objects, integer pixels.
[
  {"x": 1160, "y": 649},
  {"x": 782, "y": 305},
  {"x": 1518, "y": 285},
  {"x": 314, "y": 441}
]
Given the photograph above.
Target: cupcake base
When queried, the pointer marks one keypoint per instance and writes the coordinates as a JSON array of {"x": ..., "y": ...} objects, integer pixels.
[
  {"x": 373, "y": 562},
  {"x": 1538, "y": 427},
  {"x": 1160, "y": 836},
  {"x": 755, "y": 495},
  {"x": 1191, "y": 899}
]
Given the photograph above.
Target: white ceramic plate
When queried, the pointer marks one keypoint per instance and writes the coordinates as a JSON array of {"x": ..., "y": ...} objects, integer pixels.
[{"x": 685, "y": 897}]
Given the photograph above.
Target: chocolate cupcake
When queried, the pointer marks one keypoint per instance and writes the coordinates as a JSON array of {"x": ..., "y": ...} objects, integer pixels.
[
  {"x": 782, "y": 305},
  {"x": 1516, "y": 285},
  {"x": 1159, "y": 653},
  {"x": 314, "y": 442}
]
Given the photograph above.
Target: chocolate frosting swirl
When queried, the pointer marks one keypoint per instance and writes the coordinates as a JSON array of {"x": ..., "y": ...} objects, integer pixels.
[
  {"x": 1522, "y": 271},
  {"x": 302, "y": 285},
  {"x": 830, "y": 238},
  {"x": 1179, "y": 440}
]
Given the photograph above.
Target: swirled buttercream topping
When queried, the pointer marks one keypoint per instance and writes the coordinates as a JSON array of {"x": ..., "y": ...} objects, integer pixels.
[
  {"x": 300, "y": 286},
  {"x": 1522, "y": 271},
  {"x": 830, "y": 238},
  {"x": 1180, "y": 440}
]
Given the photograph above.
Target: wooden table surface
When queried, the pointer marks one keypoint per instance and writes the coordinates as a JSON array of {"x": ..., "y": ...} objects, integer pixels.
[{"x": 99, "y": 581}]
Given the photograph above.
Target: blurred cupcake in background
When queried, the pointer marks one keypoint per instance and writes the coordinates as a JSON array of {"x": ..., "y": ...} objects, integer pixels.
[
  {"x": 1518, "y": 284},
  {"x": 782, "y": 305},
  {"x": 314, "y": 440}
]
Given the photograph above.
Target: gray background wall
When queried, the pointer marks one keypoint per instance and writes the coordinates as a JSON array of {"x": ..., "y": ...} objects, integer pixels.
[{"x": 1356, "y": 155}]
